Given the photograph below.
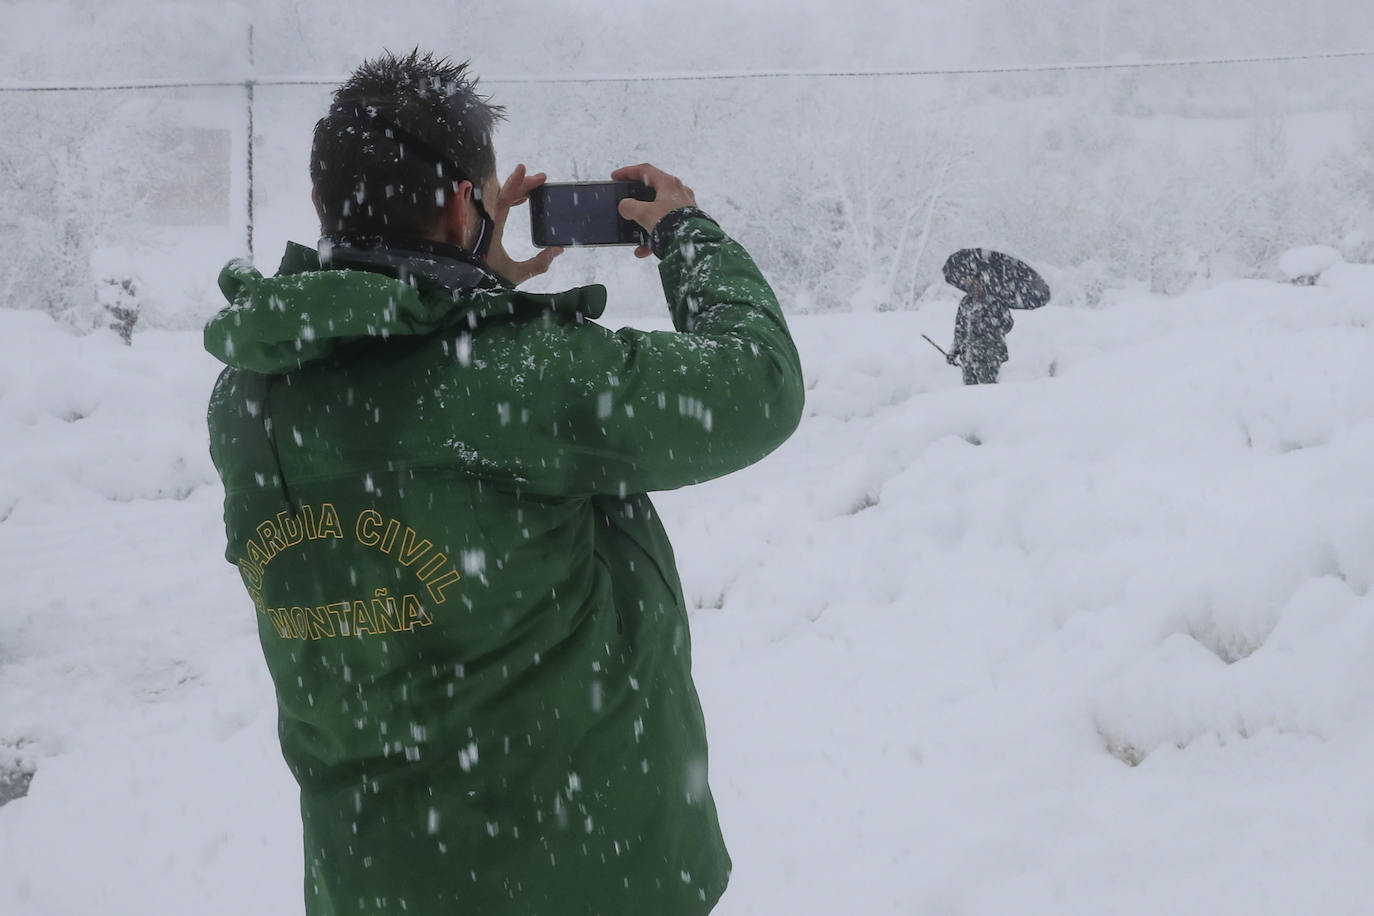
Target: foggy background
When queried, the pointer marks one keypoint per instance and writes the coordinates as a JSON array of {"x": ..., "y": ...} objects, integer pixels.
[
  {"x": 1093, "y": 640},
  {"x": 849, "y": 190}
]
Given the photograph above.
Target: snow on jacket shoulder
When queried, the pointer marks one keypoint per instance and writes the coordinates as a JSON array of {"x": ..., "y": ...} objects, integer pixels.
[{"x": 469, "y": 608}]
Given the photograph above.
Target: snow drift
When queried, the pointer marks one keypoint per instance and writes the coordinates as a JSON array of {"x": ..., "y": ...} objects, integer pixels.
[{"x": 1094, "y": 640}]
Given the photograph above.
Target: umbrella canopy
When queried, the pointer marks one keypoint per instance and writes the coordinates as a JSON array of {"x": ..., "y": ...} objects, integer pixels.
[{"x": 1004, "y": 278}]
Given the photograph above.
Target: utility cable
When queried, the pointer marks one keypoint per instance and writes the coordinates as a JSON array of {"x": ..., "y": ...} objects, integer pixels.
[{"x": 690, "y": 76}]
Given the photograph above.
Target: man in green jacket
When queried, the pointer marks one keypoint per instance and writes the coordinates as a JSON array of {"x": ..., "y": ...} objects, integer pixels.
[{"x": 435, "y": 493}]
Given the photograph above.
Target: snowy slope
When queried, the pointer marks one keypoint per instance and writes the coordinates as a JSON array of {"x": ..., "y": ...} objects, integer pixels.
[{"x": 1096, "y": 640}]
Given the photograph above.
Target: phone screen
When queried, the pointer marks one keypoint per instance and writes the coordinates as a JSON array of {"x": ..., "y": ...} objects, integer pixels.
[{"x": 585, "y": 213}]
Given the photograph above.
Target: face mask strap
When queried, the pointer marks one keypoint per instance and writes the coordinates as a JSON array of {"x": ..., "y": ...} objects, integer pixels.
[{"x": 486, "y": 229}]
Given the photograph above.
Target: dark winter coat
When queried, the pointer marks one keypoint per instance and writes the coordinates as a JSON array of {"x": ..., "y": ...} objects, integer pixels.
[
  {"x": 980, "y": 330},
  {"x": 435, "y": 494}
]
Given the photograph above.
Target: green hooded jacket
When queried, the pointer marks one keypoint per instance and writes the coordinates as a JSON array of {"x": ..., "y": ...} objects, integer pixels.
[{"x": 469, "y": 607}]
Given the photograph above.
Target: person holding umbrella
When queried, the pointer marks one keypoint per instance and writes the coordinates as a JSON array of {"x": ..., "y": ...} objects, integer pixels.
[
  {"x": 993, "y": 284},
  {"x": 980, "y": 336}
]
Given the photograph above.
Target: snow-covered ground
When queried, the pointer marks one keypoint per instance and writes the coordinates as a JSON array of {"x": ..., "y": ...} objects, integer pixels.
[{"x": 1096, "y": 640}]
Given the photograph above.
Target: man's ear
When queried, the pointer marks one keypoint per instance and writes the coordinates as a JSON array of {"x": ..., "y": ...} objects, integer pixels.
[{"x": 456, "y": 215}]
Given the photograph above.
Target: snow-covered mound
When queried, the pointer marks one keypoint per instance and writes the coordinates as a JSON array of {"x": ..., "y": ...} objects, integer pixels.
[
  {"x": 1307, "y": 261},
  {"x": 1096, "y": 640}
]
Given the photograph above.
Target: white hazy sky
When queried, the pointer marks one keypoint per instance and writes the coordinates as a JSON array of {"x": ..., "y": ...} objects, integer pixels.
[{"x": 86, "y": 39}]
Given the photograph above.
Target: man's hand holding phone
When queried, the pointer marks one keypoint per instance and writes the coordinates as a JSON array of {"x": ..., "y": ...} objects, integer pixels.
[
  {"x": 669, "y": 194},
  {"x": 514, "y": 192},
  {"x": 622, "y": 211}
]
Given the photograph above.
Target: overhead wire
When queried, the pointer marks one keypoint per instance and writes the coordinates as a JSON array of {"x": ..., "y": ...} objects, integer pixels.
[{"x": 704, "y": 76}]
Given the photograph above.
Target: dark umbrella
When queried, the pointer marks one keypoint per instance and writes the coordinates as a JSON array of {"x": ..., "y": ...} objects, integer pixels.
[{"x": 1005, "y": 278}]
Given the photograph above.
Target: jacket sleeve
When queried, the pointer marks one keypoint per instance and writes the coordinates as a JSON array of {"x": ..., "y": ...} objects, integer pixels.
[
  {"x": 644, "y": 411},
  {"x": 961, "y": 318}
]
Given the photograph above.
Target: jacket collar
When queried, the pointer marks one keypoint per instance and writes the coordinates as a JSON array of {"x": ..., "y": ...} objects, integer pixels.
[
  {"x": 434, "y": 267},
  {"x": 420, "y": 262}
]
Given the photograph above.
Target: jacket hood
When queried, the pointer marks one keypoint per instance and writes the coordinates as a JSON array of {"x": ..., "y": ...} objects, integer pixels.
[{"x": 307, "y": 312}]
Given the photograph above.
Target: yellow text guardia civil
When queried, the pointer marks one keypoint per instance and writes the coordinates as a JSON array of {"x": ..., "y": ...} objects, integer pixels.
[{"x": 357, "y": 616}]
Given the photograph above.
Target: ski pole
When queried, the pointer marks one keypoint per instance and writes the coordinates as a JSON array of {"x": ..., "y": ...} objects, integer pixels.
[{"x": 937, "y": 346}]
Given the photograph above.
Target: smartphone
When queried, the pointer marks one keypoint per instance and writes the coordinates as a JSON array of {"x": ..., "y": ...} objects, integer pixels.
[{"x": 580, "y": 213}]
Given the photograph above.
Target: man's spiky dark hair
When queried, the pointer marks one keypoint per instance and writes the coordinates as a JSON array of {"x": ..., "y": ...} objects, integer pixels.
[
  {"x": 434, "y": 81},
  {"x": 400, "y": 136}
]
